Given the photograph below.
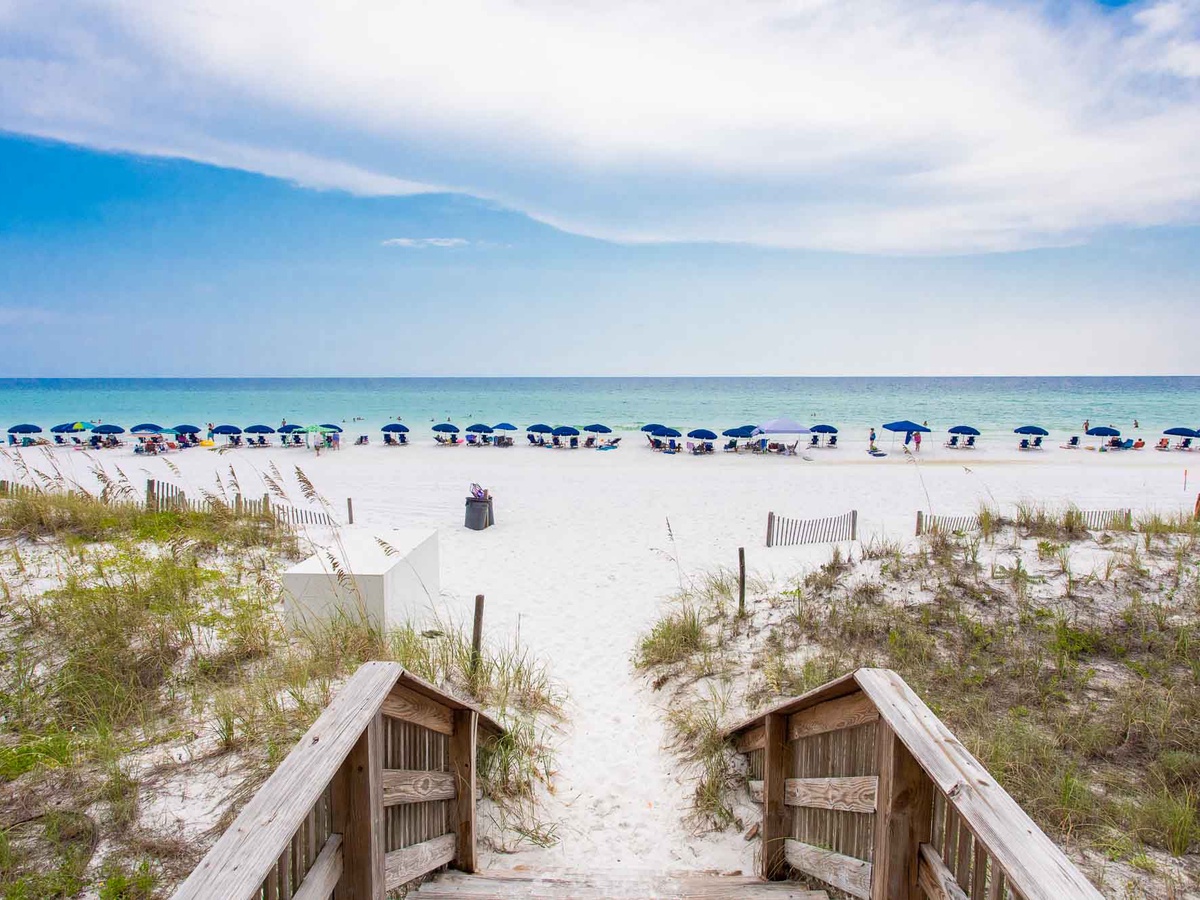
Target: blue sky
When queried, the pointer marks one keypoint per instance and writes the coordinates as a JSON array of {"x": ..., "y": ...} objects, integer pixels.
[{"x": 811, "y": 188}]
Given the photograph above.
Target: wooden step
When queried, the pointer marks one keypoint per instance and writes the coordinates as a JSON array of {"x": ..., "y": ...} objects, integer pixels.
[{"x": 611, "y": 885}]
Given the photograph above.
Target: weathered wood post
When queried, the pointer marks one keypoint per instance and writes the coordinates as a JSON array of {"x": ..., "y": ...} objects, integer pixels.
[
  {"x": 741, "y": 582},
  {"x": 920, "y": 522},
  {"x": 150, "y": 504},
  {"x": 854, "y": 524},
  {"x": 237, "y": 505},
  {"x": 266, "y": 507},
  {"x": 477, "y": 641},
  {"x": 350, "y": 510},
  {"x": 357, "y": 794},
  {"x": 903, "y": 818},
  {"x": 770, "y": 529},
  {"x": 775, "y": 818},
  {"x": 462, "y": 764}
]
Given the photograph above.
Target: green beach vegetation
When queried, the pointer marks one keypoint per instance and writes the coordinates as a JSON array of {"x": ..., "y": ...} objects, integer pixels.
[
  {"x": 1067, "y": 661},
  {"x": 143, "y": 659}
]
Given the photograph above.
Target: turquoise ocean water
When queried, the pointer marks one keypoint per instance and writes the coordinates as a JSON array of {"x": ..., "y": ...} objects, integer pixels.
[{"x": 1060, "y": 404}]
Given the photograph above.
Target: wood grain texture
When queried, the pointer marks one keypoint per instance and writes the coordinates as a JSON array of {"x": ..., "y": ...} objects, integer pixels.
[
  {"x": 843, "y": 872},
  {"x": 462, "y": 767},
  {"x": 751, "y": 740},
  {"x": 832, "y": 715},
  {"x": 416, "y": 786},
  {"x": 1035, "y": 867},
  {"x": 903, "y": 820},
  {"x": 239, "y": 862},
  {"x": 839, "y": 687},
  {"x": 406, "y": 704},
  {"x": 852, "y": 794},
  {"x": 325, "y": 873},
  {"x": 402, "y": 866},
  {"x": 358, "y": 816},
  {"x": 776, "y": 824},
  {"x": 936, "y": 880}
]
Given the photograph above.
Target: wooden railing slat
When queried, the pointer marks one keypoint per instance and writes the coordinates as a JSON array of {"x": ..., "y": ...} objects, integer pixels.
[
  {"x": 935, "y": 878},
  {"x": 843, "y": 872},
  {"x": 832, "y": 715},
  {"x": 412, "y": 862},
  {"x": 416, "y": 786},
  {"x": 850, "y": 793},
  {"x": 410, "y": 706},
  {"x": 324, "y": 873}
]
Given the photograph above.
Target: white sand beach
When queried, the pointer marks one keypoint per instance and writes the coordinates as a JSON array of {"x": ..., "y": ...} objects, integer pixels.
[{"x": 582, "y": 556}]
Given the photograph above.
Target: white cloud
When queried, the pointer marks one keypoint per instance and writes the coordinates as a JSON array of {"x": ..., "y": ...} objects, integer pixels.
[
  {"x": 425, "y": 242},
  {"x": 865, "y": 125}
]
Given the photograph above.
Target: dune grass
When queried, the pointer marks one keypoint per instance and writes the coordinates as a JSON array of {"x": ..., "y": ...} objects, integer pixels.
[
  {"x": 1079, "y": 692},
  {"x": 125, "y": 628}
]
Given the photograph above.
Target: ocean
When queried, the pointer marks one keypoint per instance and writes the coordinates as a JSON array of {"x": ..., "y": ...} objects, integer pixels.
[{"x": 1059, "y": 404}]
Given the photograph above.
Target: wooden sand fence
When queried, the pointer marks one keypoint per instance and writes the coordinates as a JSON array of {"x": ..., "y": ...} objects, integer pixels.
[
  {"x": 1092, "y": 519},
  {"x": 785, "y": 532},
  {"x": 863, "y": 788},
  {"x": 161, "y": 495}
]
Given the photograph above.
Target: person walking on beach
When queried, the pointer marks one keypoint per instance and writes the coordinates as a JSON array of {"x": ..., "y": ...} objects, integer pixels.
[
  {"x": 917, "y": 442},
  {"x": 210, "y": 430},
  {"x": 1087, "y": 424},
  {"x": 871, "y": 439}
]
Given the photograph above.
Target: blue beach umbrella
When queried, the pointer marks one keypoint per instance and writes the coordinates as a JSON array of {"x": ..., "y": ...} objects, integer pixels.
[
  {"x": 187, "y": 429},
  {"x": 108, "y": 429},
  {"x": 906, "y": 426},
  {"x": 664, "y": 432},
  {"x": 68, "y": 427},
  {"x": 597, "y": 429},
  {"x": 652, "y": 428},
  {"x": 146, "y": 428},
  {"x": 703, "y": 434},
  {"x": 505, "y": 426},
  {"x": 1103, "y": 431},
  {"x": 823, "y": 429},
  {"x": 965, "y": 429},
  {"x": 1173, "y": 432},
  {"x": 446, "y": 428},
  {"x": 395, "y": 428},
  {"x": 227, "y": 429},
  {"x": 539, "y": 428},
  {"x": 480, "y": 428},
  {"x": 565, "y": 431},
  {"x": 337, "y": 428},
  {"x": 259, "y": 429},
  {"x": 1036, "y": 430},
  {"x": 289, "y": 429},
  {"x": 25, "y": 429},
  {"x": 743, "y": 431}
]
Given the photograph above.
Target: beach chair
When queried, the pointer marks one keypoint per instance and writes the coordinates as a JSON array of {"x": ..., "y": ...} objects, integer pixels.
[
  {"x": 970, "y": 444},
  {"x": 590, "y": 442},
  {"x": 403, "y": 439},
  {"x": 1127, "y": 444},
  {"x": 574, "y": 443},
  {"x": 532, "y": 439},
  {"x": 731, "y": 447},
  {"x": 12, "y": 440},
  {"x": 1072, "y": 444},
  {"x": 815, "y": 441},
  {"x": 58, "y": 439},
  {"x": 471, "y": 441},
  {"x": 790, "y": 449},
  {"x": 388, "y": 440},
  {"x": 612, "y": 442},
  {"x": 832, "y": 441},
  {"x": 1163, "y": 444},
  {"x": 1037, "y": 443},
  {"x": 952, "y": 444},
  {"x": 691, "y": 448},
  {"x": 77, "y": 440},
  {"x": 1024, "y": 445},
  {"x": 554, "y": 441},
  {"x": 1185, "y": 444}
]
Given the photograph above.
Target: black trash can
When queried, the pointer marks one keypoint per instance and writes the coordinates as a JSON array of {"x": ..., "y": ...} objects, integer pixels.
[{"x": 479, "y": 514}]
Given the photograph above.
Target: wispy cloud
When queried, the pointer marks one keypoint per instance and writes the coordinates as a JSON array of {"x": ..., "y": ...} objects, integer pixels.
[
  {"x": 893, "y": 126},
  {"x": 425, "y": 242}
]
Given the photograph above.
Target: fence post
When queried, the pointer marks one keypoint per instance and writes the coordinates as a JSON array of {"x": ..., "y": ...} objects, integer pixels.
[
  {"x": 771, "y": 527},
  {"x": 775, "y": 815},
  {"x": 462, "y": 764},
  {"x": 1129, "y": 519},
  {"x": 477, "y": 639},
  {"x": 854, "y": 524},
  {"x": 920, "y": 522},
  {"x": 266, "y": 507},
  {"x": 741, "y": 582},
  {"x": 150, "y": 504},
  {"x": 903, "y": 818},
  {"x": 350, "y": 510},
  {"x": 4, "y": 491},
  {"x": 358, "y": 817},
  {"x": 1196, "y": 512},
  {"x": 237, "y": 505}
]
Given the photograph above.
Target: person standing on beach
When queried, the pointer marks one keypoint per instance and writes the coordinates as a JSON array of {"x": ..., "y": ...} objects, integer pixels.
[
  {"x": 1135, "y": 424},
  {"x": 1087, "y": 424},
  {"x": 871, "y": 439},
  {"x": 917, "y": 441}
]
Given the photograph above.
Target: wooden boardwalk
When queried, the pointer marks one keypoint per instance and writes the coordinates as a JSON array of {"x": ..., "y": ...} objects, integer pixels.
[{"x": 619, "y": 885}]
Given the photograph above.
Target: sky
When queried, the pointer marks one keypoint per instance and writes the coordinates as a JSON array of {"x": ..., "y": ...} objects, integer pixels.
[{"x": 808, "y": 187}]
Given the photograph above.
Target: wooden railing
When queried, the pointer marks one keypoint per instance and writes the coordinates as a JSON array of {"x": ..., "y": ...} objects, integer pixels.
[
  {"x": 785, "y": 532},
  {"x": 863, "y": 788},
  {"x": 381, "y": 790},
  {"x": 162, "y": 495}
]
